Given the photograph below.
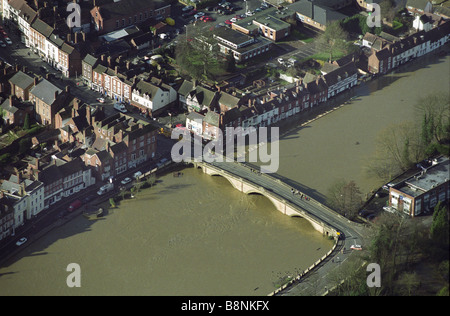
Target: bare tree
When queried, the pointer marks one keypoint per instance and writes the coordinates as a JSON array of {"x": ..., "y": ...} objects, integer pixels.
[{"x": 345, "y": 197}]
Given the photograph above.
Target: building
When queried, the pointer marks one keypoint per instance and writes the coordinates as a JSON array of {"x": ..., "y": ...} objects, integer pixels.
[
  {"x": 195, "y": 97},
  {"x": 420, "y": 193},
  {"x": 268, "y": 23},
  {"x": 121, "y": 143},
  {"x": 6, "y": 215},
  {"x": 88, "y": 64},
  {"x": 119, "y": 14},
  {"x": 29, "y": 194},
  {"x": 315, "y": 15},
  {"x": 48, "y": 99},
  {"x": 21, "y": 84},
  {"x": 242, "y": 47},
  {"x": 15, "y": 111},
  {"x": 154, "y": 96},
  {"x": 62, "y": 179},
  {"x": 341, "y": 79}
]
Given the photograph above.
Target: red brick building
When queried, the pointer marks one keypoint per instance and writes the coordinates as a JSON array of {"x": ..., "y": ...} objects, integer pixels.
[{"x": 116, "y": 15}]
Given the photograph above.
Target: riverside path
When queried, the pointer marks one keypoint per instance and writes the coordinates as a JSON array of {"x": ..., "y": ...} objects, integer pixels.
[{"x": 348, "y": 232}]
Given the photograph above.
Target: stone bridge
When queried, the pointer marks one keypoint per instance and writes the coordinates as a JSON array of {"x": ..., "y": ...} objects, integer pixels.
[{"x": 250, "y": 181}]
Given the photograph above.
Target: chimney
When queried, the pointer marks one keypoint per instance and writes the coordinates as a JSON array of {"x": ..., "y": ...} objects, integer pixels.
[
  {"x": 36, "y": 81},
  {"x": 75, "y": 35},
  {"x": 109, "y": 61},
  {"x": 56, "y": 94},
  {"x": 116, "y": 69},
  {"x": 88, "y": 114},
  {"x": 67, "y": 89},
  {"x": 128, "y": 65},
  {"x": 11, "y": 100},
  {"x": 83, "y": 36},
  {"x": 16, "y": 171},
  {"x": 69, "y": 37}
]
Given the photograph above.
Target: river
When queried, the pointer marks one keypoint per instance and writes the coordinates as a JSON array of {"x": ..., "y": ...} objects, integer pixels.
[{"x": 196, "y": 235}]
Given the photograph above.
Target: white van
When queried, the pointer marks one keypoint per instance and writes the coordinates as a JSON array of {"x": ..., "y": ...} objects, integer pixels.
[{"x": 120, "y": 107}]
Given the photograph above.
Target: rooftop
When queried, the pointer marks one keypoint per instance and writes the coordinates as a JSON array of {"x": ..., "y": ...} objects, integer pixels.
[{"x": 426, "y": 179}]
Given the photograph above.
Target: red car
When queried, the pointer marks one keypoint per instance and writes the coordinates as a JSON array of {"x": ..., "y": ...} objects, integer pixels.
[
  {"x": 76, "y": 204},
  {"x": 228, "y": 22},
  {"x": 206, "y": 18}
]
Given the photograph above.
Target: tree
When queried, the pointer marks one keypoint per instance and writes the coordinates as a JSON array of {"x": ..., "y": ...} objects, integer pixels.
[
  {"x": 397, "y": 147},
  {"x": 197, "y": 53},
  {"x": 345, "y": 197},
  {"x": 434, "y": 111},
  {"x": 334, "y": 38},
  {"x": 439, "y": 230}
]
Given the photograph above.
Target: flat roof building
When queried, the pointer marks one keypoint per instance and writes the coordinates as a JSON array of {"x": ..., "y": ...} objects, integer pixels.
[{"x": 421, "y": 192}]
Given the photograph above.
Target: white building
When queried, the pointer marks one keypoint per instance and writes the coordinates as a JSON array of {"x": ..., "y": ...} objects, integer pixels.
[
  {"x": 28, "y": 197},
  {"x": 153, "y": 96}
]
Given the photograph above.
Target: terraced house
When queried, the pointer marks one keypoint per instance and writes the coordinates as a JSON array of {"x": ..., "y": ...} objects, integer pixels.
[{"x": 121, "y": 143}]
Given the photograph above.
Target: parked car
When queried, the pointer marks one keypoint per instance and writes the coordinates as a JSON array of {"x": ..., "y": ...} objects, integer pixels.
[
  {"x": 8, "y": 41},
  {"x": 89, "y": 198},
  {"x": 2, "y": 44},
  {"x": 120, "y": 107},
  {"x": 101, "y": 100},
  {"x": 21, "y": 241},
  {"x": 74, "y": 205},
  {"x": 228, "y": 22},
  {"x": 206, "y": 18},
  {"x": 106, "y": 188},
  {"x": 43, "y": 69},
  {"x": 137, "y": 174},
  {"x": 199, "y": 15},
  {"x": 188, "y": 8},
  {"x": 125, "y": 181}
]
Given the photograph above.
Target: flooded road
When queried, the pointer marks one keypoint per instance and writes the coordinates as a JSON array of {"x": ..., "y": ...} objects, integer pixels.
[{"x": 196, "y": 235}]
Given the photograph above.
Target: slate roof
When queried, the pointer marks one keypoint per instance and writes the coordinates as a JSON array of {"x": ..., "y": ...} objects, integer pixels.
[
  {"x": 42, "y": 27},
  {"x": 22, "y": 80},
  {"x": 45, "y": 91},
  {"x": 320, "y": 14}
]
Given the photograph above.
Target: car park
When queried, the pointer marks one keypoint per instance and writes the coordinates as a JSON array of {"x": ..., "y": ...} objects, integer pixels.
[{"x": 21, "y": 241}]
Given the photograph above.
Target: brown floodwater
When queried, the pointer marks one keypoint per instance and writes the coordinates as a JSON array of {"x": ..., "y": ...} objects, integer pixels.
[
  {"x": 193, "y": 235},
  {"x": 196, "y": 235}
]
